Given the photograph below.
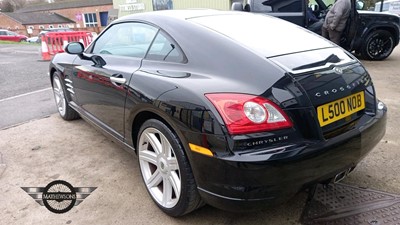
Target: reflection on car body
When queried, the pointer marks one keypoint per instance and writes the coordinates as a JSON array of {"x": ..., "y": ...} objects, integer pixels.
[{"x": 220, "y": 111}]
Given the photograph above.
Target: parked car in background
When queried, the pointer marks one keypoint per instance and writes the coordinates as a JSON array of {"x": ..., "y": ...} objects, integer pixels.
[
  {"x": 391, "y": 6},
  {"x": 6, "y": 35},
  {"x": 372, "y": 35},
  {"x": 34, "y": 39}
]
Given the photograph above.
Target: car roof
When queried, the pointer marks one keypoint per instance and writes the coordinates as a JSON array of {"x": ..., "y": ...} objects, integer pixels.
[
  {"x": 256, "y": 32},
  {"x": 175, "y": 14}
]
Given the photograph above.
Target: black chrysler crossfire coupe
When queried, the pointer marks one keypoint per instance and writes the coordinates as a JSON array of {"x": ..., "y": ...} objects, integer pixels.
[{"x": 230, "y": 109}]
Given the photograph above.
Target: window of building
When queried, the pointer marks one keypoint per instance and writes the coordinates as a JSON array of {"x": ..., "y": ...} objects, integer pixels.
[
  {"x": 51, "y": 26},
  {"x": 60, "y": 26},
  {"x": 31, "y": 27},
  {"x": 41, "y": 27},
  {"x": 90, "y": 20}
]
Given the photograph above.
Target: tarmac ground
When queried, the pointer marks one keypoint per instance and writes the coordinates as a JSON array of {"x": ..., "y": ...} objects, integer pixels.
[{"x": 36, "y": 152}]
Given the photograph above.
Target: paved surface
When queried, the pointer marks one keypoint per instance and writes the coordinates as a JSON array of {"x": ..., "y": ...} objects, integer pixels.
[
  {"x": 25, "y": 90},
  {"x": 35, "y": 153},
  {"x": 343, "y": 204}
]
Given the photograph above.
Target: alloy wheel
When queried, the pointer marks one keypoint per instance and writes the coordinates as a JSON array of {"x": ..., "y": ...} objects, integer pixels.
[
  {"x": 380, "y": 45},
  {"x": 159, "y": 167},
  {"x": 59, "y": 95}
]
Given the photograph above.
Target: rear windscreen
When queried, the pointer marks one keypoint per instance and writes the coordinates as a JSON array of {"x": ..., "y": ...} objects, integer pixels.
[{"x": 266, "y": 35}]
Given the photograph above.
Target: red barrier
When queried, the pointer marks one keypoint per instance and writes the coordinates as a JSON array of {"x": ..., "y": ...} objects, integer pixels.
[{"x": 55, "y": 42}]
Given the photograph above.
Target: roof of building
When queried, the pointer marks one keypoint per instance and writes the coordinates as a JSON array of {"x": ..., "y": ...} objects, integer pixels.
[
  {"x": 64, "y": 5},
  {"x": 38, "y": 18}
]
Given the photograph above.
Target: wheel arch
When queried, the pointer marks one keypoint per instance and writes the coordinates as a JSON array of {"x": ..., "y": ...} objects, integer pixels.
[
  {"x": 155, "y": 113},
  {"x": 368, "y": 31},
  {"x": 52, "y": 72}
]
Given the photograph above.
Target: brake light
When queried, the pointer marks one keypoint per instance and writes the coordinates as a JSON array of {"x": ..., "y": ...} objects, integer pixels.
[{"x": 245, "y": 114}]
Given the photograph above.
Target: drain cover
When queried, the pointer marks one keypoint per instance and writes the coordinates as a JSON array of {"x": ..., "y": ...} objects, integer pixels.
[{"x": 342, "y": 204}]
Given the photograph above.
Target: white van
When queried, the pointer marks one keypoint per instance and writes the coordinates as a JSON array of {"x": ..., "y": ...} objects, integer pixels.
[{"x": 392, "y": 6}]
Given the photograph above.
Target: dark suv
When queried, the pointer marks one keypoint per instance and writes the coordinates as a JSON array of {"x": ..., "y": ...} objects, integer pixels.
[{"x": 372, "y": 35}]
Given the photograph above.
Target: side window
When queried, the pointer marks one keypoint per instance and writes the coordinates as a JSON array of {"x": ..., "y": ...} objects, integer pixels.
[
  {"x": 278, "y": 5},
  {"x": 3, "y": 33},
  {"x": 125, "y": 39},
  {"x": 261, "y": 6},
  {"x": 294, "y": 6},
  {"x": 163, "y": 49}
]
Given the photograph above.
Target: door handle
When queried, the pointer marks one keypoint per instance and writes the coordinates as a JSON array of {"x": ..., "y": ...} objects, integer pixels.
[{"x": 117, "y": 80}]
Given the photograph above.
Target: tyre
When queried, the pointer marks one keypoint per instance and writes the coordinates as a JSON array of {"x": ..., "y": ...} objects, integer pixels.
[
  {"x": 65, "y": 111},
  {"x": 378, "y": 45},
  {"x": 165, "y": 169}
]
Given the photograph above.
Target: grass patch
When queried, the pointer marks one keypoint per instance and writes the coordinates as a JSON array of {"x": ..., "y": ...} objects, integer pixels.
[{"x": 18, "y": 43}]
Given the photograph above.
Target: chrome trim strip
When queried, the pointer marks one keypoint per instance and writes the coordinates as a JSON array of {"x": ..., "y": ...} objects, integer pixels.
[
  {"x": 70, "y": 90},
  {"x": 324, "y": 67}
]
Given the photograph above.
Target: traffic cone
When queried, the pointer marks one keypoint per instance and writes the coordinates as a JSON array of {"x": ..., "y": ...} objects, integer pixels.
[
  {"x": 65, "y": 43},
  {"x": 45, "y": 52}
]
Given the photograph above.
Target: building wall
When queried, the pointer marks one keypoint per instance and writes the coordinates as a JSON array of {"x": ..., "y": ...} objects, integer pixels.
[
  {"x": 12, "y": 25},
  {"x": 8, "y": 23},
  {"x": 126, "y": 7},
  {"x": 76, "y": 14}
]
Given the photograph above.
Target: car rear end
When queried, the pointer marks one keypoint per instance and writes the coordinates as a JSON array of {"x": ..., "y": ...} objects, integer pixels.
[
  {"x": 335, "y": 121},
  {"x": 317, "y": 122}
]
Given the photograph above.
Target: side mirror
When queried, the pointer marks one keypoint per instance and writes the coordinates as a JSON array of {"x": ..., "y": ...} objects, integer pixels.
[
  {"x": 237, "y": 6},
  {"x": 360, "y": 5},
  {"x": 74, "y": 48}
]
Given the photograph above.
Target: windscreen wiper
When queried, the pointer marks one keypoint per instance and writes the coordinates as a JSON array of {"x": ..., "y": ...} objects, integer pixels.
[{"x": 330, "y": 59}]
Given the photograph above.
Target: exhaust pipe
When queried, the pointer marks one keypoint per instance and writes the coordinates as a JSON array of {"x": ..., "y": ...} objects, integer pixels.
[{"x": 340, "y": 176}]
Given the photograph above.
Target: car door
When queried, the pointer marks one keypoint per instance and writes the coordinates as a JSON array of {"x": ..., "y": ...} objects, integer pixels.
[
  {"x": 290, "y": 10},
  {"x": 11, "y": 36},
  {"x": 352, "y": 28},
  {"x": 100, "y": 84},
  {"x": 3, "y": 35}
]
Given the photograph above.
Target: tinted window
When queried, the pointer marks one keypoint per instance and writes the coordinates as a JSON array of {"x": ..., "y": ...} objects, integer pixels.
[
  {"x": 258, "y": 6},
  {"x": 3, "y": 33},
  {"x": 278, "y": 5},
  {"x": 125, "y": 39},
  {"x": 163, "y": 49}
]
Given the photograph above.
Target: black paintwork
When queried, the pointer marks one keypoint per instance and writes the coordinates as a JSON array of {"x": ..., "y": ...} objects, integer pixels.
[
  {"x": 360, "y": 24},
  {"x": 246, "y": 170}
]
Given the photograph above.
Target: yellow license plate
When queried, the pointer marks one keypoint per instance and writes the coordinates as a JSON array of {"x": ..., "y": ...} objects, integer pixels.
[{"x": 339, "y": 109}]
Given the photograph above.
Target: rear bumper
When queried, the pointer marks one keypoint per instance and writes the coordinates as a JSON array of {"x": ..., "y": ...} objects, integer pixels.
[{"x": 241, "y": 183}]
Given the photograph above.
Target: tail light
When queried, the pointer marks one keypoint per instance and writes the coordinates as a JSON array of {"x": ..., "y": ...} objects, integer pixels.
[{"x": 245, "y": 114}]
